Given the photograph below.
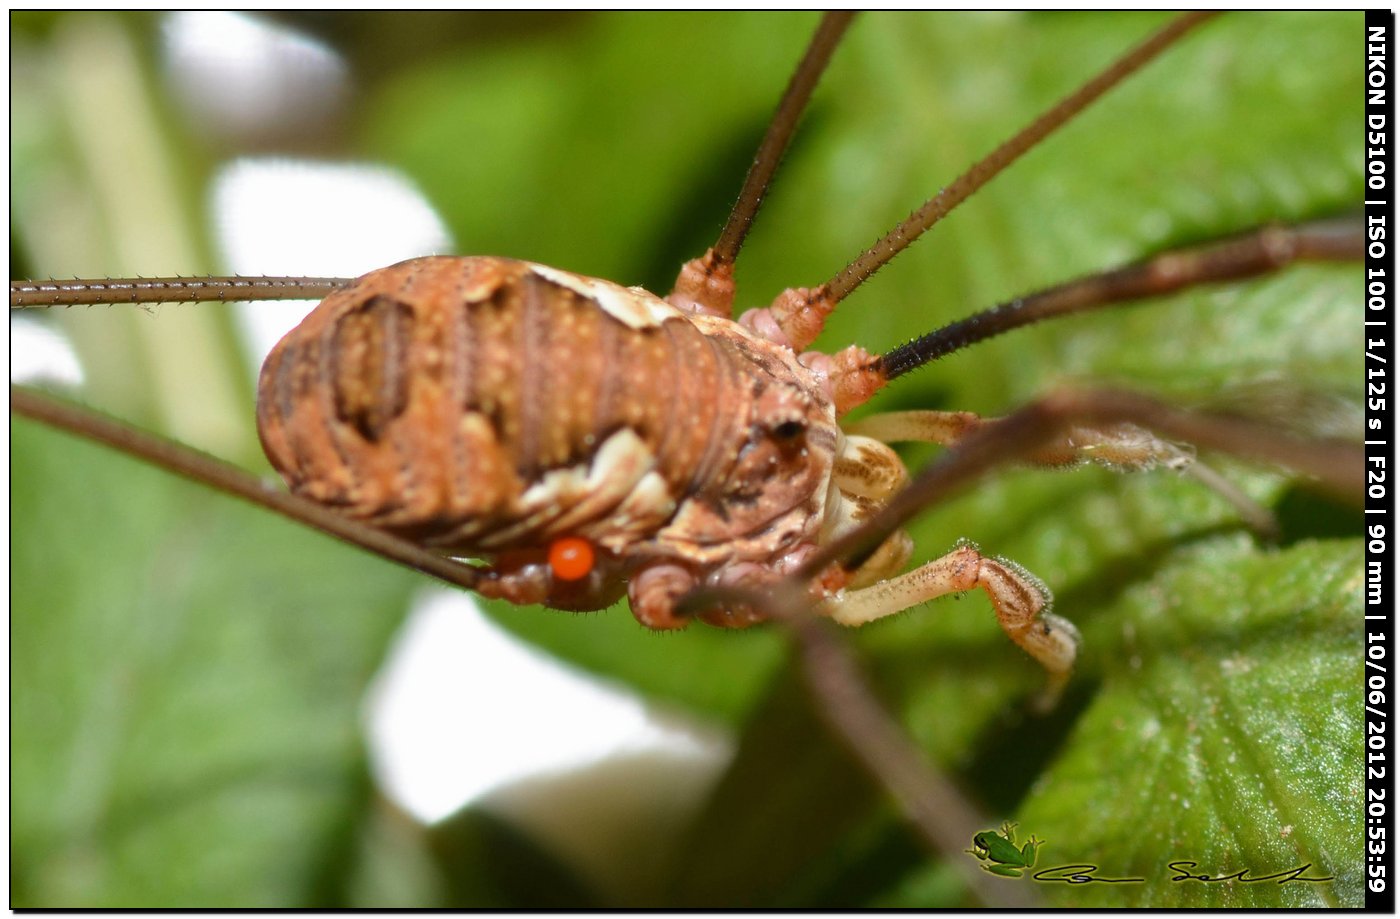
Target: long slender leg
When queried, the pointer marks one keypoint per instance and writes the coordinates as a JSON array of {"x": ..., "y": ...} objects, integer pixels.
[
  {"x": 797, "y": 316},
  {"x": 94, "y": 291},
  {"x": 1124, "y": 447},
  {"x": 1257, "y": 252},
  {"x": 855, "y": 377},
  {"x": 1021, "y": 601},
  {"x": 706, "y": 284},
  {"x": 1335, "y": 466},
  {"x": 205, "y": 469}
]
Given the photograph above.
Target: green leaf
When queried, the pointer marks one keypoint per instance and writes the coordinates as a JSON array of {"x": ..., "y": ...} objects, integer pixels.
[
  {"x": 185, "y": 733},
  {"x": 1241, "y": 749}
]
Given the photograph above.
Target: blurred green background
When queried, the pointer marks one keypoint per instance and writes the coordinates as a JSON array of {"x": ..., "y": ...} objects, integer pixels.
[{"x": 187, "y": 673}]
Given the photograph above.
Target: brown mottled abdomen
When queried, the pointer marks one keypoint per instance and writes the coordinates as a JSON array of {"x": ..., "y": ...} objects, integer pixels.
[{"x": 436, "y": 397}]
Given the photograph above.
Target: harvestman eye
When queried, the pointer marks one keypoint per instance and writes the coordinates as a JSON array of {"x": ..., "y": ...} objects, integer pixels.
[{"x": 789, "y": 430}]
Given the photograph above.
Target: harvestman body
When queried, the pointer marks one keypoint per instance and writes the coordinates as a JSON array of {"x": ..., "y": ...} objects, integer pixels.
[
  {"x": 588, "y": 440},
  {"x": 684, "y": 448}
]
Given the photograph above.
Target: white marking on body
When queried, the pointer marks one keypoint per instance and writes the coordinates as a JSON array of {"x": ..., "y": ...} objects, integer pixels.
[
  {"x": 647, "y": 507},
  {"x": 621, "y": 473},
  {"x": 632, "y": 306}
]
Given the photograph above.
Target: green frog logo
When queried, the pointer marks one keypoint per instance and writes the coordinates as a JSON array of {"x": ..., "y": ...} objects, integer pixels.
[{"x": 999, "y": 854}]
